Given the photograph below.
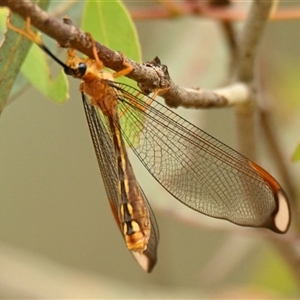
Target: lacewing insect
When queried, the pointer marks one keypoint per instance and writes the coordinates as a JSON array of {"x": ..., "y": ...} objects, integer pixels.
[{"x": 198, "y": 170}]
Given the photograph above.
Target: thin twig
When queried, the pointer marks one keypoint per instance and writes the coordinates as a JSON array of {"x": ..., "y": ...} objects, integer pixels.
[
  {"x": 249, "y": 38},
  {"x": 248, "y": 42},
  {"x": 230, "y": 36},
  {"x": 213, "y": 12}
]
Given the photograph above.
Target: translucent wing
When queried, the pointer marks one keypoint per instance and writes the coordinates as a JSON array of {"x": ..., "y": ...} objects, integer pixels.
[
  {"x": 107, "y": 163},
  {"x": 198, "y": 170}
]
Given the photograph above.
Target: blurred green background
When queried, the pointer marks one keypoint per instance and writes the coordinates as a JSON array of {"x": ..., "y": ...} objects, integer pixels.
[{"x": 58, "y": 238}]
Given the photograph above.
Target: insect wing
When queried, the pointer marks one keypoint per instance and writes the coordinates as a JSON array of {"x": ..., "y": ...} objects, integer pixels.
[
  {"x": 198, "y": 170},
  {"x": 148, "y": 259},
  {"x": 107, "y": 163}
]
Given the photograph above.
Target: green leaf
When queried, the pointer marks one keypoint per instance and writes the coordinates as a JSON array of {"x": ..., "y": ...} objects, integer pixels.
[
  {"x": 274, "y": 274},
  {"x": 12, "y": 54},
  {"x": 110, "y": 24},
  {"x": 36, "y": 69},
  {"x": 296, "y": 155}
]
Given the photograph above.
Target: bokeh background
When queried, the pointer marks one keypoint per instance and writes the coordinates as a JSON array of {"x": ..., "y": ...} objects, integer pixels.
[{"x": 58, "y": 238}]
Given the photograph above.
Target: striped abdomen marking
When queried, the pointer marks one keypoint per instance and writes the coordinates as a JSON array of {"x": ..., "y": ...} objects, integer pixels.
[{"x": 133, "y": 212}]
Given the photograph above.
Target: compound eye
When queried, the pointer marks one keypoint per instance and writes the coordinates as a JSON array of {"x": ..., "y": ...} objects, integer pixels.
[{"x": 82, "y": 68}]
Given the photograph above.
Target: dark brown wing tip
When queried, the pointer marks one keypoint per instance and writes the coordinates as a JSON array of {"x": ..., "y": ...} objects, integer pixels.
[
  {"x": 280, "y": 219},
  {"x": 146, "y": 262}
]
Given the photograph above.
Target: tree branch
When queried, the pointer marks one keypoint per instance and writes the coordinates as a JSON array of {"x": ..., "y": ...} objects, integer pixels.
[
  {"x": 148, "y": 77},
  {"x": 249, "y": 38}
]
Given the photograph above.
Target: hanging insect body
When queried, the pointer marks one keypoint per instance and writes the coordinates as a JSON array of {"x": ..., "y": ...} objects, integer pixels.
[{"x": 198, "y": 170}]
